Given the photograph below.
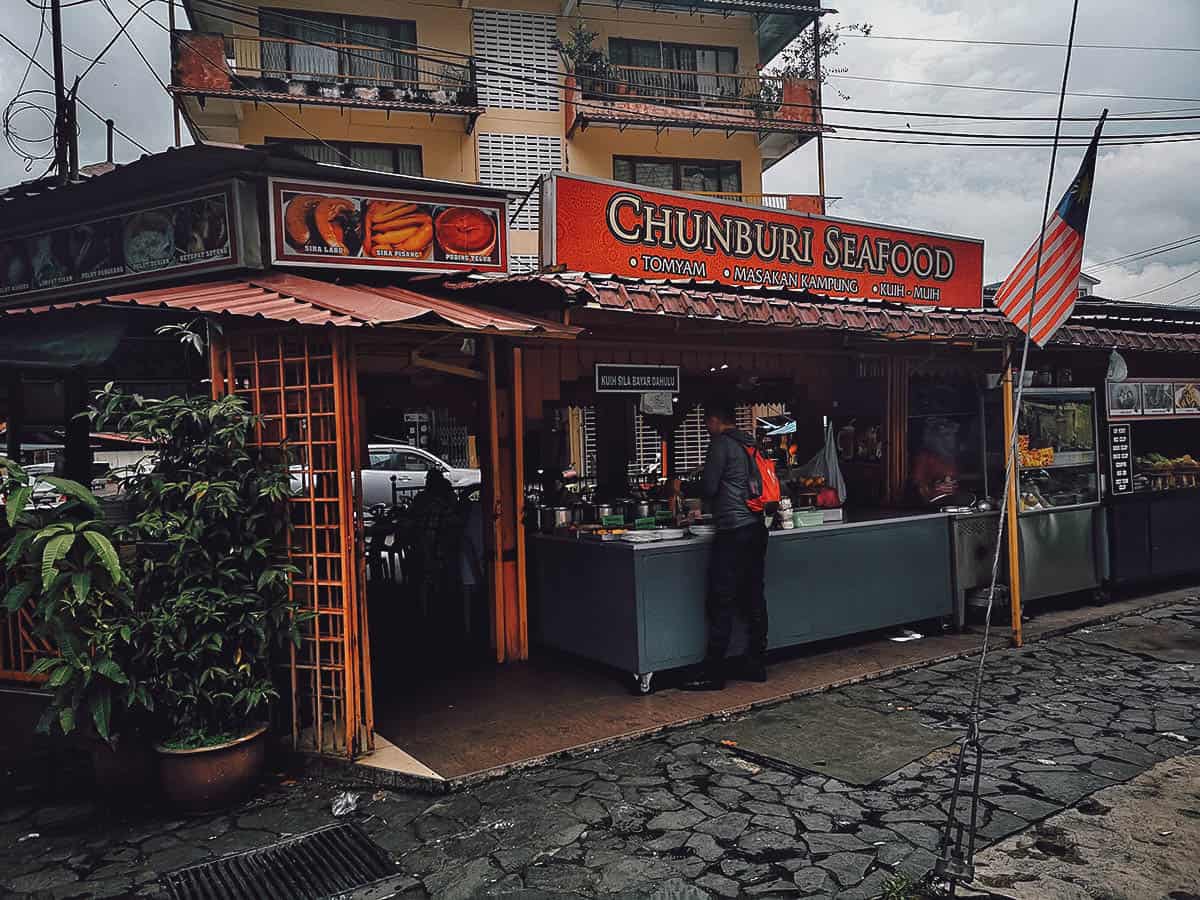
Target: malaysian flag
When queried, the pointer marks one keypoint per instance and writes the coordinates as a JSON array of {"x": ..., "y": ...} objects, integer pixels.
[{"x": 1042, "y": 314}]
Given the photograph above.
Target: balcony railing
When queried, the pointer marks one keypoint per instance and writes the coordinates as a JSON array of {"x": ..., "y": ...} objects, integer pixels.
[
  {"x": 761, "y": 94},
  {"x": 398, "y": 75},
  {"x": 277, "y": 65},
  {"x": 810, "y": 204}
]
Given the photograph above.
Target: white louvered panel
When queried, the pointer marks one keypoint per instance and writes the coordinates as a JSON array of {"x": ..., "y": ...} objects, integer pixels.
[
  {"x": 647, "y": 448},
  {"x": 691, "y": 442},
  {"x": 516, "y": 161},
  {"x": 589, "y": 442},
  {"x": 515, "y": 53},
  {"x": 744, "y": 417},
  {"x": 522, "y": 262}
]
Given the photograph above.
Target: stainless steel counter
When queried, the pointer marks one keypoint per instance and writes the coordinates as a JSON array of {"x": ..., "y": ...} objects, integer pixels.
[{"x": 640, "y": 607}]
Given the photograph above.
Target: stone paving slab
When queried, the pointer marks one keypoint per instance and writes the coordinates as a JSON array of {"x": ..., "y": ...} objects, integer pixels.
[
  {"x": 1155, "y": 641},
  {"x": 677, "y": 815},
  {"x": 821, "y": 735}
]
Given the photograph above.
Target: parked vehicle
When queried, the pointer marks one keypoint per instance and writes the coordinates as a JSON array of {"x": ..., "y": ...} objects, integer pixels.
[
  {"x": 409, "y": 466},
  {"x": 395, "y": 471}
]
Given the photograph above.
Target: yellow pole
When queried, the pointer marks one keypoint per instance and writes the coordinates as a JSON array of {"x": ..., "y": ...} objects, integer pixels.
[{"x": 1014, "y": 559}]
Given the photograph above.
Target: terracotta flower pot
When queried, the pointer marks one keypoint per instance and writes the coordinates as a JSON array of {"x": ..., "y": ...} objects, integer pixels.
[
  {"x": 124, "y": 772},
  {"x": 215, "y": 777}
]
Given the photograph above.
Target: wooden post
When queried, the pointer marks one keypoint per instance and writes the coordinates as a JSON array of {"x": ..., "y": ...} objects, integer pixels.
[
  {"x": 518, "y": 428},
  {"x": 78, "y": 437},
  {"x": 492, "y": 494},
  {"x": 1012, "y": 525}
]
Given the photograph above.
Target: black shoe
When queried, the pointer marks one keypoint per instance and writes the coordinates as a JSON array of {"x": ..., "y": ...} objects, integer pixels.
[
  {"x": 704, "y": 683},
  {"x": 752, "y": 670}
]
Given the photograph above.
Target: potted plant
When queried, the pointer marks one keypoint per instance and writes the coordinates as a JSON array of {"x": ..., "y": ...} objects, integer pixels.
[
  {"x": 211, "y": 586},
  {"x": 587, "y": 62},
  {"x": 63, "y": 569}
]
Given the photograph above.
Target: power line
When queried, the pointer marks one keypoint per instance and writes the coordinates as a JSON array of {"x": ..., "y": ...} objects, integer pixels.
[
  {"x": 273, "y": 106},
  {"x": 1147, "y": 252},
  {"x": 122, "y": 31},
  {"x": 556, "y": 85},
  {"x": 1003, "y": 90},
  {"x": 80, "y": 100},
  {"x": 1155, "y": 290},
  {"x": 933, "y": 40},
  {"x": 1007, "y": 146}
]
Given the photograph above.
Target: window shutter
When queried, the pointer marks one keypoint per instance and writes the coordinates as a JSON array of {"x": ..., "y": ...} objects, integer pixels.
[
  {"x": 691, "y": 442},
  {"x": 516, "y": 56},
  {"x": 515, "y": 161}
]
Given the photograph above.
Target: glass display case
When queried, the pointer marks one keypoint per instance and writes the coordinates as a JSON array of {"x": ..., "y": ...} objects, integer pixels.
[{"x": 1058, "y": 466}]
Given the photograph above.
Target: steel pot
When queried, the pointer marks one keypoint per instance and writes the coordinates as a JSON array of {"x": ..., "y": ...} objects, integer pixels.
[
  {"x": 600, "y": 510},
  {"x": 560, "y": 517},
  {"x": 637, "y": 509},
  {"x": 578, "y": 513}
]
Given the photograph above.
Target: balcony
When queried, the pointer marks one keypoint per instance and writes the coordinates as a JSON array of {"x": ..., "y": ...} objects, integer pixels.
[
  {"x": 282, "y": 70},
  {"x": 776, "y": 22},
  {"x": 784, "y": 112}
]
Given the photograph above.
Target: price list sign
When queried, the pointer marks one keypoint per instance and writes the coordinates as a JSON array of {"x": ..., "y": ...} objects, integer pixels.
[{"x": 1120, "y": 458}]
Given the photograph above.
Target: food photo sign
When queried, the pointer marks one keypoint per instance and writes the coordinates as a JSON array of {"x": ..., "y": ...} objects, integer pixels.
[
  {"x": 590, "y": 225},
  {"x": 1153, "y": 399},
  {"x": 179, "y": 236},
  {"x": 318, "y": 224}
]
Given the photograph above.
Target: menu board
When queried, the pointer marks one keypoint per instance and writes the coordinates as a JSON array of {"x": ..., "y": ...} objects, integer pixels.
[
  {"x": 184, "y": 235},
  {"x": 1145, "y": 399},
  {"x": 316, "y": 224},
  {"x": 1120, "y": 458}
]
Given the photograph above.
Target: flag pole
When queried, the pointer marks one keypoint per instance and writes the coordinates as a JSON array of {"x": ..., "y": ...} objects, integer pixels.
[{"x": 1011, "y": 521}]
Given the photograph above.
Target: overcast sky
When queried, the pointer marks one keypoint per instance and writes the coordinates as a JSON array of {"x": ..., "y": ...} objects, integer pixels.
[{"x": 1143, "y": 196}]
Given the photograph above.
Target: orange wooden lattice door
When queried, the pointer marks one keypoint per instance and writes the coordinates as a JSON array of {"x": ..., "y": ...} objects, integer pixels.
[{"x": 303, "y": 383}]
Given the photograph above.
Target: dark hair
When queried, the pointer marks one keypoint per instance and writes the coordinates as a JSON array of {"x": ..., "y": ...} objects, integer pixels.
[{"x": 721, "y": 409}]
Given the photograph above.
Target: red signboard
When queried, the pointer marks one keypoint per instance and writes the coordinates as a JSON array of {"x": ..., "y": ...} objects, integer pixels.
[
  {"x": 351, "y": 227},
  {"x": 590, "y": 225}
]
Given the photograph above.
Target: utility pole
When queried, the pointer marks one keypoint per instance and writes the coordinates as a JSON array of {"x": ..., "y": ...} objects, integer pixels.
[
  {"x": 61, "y": 124},
  {"x": 820, "y": 113},
  {"x": 171, "y": 51}
]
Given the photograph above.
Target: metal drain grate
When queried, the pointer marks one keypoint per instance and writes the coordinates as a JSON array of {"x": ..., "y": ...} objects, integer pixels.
[{"x": 312, "y": 866}]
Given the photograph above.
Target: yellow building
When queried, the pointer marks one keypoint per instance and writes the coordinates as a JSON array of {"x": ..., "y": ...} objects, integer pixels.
[{"x": 670, "y": 97}]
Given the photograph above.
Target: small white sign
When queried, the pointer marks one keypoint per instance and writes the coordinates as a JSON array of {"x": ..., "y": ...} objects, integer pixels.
[{"x": 657, "y": 403}]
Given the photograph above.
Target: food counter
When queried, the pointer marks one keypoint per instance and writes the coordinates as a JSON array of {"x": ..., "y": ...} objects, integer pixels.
[
  {"x": 641, "y": 607},
  {"x": 1154, "y": 477},
  {"x": 1063, "y": 543}
]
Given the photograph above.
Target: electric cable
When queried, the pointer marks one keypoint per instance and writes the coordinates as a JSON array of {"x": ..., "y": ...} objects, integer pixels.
[
  {"x": 1003, "y": 90},
  {"x": 271, "y": 105},
  {"x": 1137, "y": 255},
  {"x": 393, "y": 44},
  {"x": 987, "y": 43},
  {"x": 727, "y": 115},
  {"x": 87, "y": 106},
  {"x": 1155, "y": 290},
  {"x": 122, "y": 31}
]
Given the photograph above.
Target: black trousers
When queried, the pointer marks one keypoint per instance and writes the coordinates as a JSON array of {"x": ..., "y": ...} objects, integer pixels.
[{"x": 735, "y": 582}]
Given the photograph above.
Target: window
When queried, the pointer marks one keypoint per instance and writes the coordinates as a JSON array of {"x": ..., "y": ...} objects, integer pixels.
[
  {"x": 414, "y": 462},
  {"x": 367, "y": 53},
  {"x": 401, "y": 159},
  {"x": 697, "y": 175},
  {"x": 510, "y": 46},
  {"x": 665, "y": 70}
]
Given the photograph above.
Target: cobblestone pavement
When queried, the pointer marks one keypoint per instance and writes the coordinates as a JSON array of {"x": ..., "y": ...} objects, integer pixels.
[{"x": 678, "y": 815}]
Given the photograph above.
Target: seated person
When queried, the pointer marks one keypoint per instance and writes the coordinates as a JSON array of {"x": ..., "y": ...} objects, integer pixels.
[{"x": 935, "y": 467}]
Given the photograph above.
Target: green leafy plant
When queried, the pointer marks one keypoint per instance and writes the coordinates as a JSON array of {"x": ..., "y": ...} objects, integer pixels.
[
  {"x": 211, "y": 582},
  {"x": 61, "y": 566},
  {"x": 585, "y": 60}
]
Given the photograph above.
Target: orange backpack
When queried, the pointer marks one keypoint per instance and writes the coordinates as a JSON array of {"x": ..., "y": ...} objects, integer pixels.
[{"x": 766, "y": 497}]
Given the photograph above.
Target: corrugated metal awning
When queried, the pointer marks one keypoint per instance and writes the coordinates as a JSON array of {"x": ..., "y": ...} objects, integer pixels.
[
  {"x": 282, "y": 297},
  {"x": 802, "y": 309}
]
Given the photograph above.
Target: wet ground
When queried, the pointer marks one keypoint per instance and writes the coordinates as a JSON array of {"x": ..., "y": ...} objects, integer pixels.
[{"x": 683, "y": 814}]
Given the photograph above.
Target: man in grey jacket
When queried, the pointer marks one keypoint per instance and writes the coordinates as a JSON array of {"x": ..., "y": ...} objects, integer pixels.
[{"x": 739, "y": 552}]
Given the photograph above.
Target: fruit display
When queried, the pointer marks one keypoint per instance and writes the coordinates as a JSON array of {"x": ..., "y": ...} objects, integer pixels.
[
  {"x": 814, "y": 483},
  {"x": 1036, "y": 459}
]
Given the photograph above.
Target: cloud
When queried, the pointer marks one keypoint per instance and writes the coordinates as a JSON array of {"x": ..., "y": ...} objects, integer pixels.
[{"x": 1141, "y": 196}]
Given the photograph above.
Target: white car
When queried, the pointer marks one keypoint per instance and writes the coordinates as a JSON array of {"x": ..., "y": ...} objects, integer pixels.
[{"x": 409, "y": 466}]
